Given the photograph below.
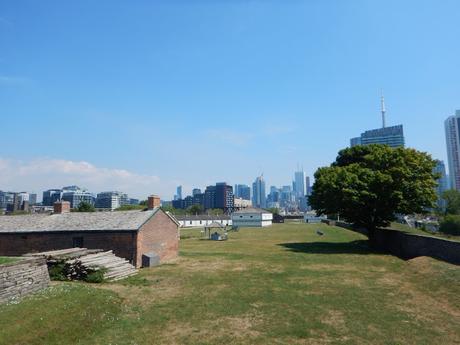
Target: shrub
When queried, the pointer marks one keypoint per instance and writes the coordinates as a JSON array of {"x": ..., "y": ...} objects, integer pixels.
[
  {"x": 56, "y": 271},
  {"x": 62, "y": 270},
  {"x": 95, "y": 276},
  {"x": 450, "y": 225}
]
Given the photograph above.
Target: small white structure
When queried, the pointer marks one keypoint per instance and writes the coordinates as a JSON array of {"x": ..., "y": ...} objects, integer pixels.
[
  {"x": 252, "y": 217},
  {"x": 200, "y": 221},
  {"x": 313, "y": 218},
  {"x": 241, "y": 203}
]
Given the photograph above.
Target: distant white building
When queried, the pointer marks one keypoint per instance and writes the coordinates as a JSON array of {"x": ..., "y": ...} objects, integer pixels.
[
  {"x": 199, "y": 221},
  {"x": 252, "y": 217},
  {"x": 241, "y": 203},
  {"x": 313, "y": 218}
]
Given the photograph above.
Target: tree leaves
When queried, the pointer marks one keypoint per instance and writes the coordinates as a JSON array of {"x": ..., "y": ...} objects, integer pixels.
[{"x": 368, "y": 185}]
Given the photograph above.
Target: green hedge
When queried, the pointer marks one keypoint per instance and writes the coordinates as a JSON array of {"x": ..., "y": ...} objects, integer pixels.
[{"x": 450, "y": 225}]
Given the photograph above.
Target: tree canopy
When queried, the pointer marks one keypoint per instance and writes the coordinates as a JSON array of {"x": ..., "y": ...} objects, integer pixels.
[
  {"x": 195, "y": 209},
  {"x": 368, "y": 185},
  {"x": 85, "y": 207},
  {"x": 452, "y": 198},
  {"x": 130, "y": 207}
]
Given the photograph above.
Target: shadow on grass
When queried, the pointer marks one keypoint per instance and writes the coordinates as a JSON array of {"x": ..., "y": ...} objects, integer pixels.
[{"x": 353, "y": 247}]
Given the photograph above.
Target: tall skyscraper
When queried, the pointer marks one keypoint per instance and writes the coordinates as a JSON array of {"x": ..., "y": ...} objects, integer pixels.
[
  {"x": 307, "y": 185},
  {"x": 440, "y": 169},
  {"x": 452, "y": 127},
  {"x": 242, "y": 191},
  {"x": 299, "y": 184},
  {"x": 392, "y": 136},
  {"x": 178, "y": 195},
  {"x": 259, "y": 198}
]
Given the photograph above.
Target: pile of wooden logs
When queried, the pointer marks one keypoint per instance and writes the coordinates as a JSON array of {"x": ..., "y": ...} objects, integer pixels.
[{"x": 81, "y": 260}]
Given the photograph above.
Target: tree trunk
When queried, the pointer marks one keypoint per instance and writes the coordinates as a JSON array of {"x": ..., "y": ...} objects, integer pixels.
[{"x": 371, "y": 234}]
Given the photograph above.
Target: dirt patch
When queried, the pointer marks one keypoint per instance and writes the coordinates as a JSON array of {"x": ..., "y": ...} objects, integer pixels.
[{"x": 422, "y": 264}]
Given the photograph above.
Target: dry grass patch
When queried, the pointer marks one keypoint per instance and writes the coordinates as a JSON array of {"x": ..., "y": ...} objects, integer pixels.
[
  {"x": 335, "y": 319},
  {"x": 161, "y": 289},
  {"x": 238, "y": 328}
]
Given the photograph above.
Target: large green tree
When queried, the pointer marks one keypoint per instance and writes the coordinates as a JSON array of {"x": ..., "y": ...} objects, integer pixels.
[
  {"x": 452, "y": 198},
  {"x": 195, "y": 209},
  {"x": 368, "y": 185}
]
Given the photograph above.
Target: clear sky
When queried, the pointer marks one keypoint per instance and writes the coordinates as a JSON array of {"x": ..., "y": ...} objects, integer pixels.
[{"x": 145, "y": 95}]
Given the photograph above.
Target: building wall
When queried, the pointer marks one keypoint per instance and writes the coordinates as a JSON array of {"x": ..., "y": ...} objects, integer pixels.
[
  {"x": 252, "y": 219},
  {"x": 122, "y": 243},
  {"x": 21, "y": 278},
  {"x": 159, "y": 235},
  {"x": 191, "y": 223}
]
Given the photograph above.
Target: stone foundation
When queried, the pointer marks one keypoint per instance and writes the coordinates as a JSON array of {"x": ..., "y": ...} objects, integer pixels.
[{"x": 21, "y": 278}]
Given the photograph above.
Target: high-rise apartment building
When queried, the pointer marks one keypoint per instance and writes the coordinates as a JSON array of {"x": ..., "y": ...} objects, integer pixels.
[
  {"x": 218, "y": 196},
  {"x": 259, "y": 198},
  {"x": 452, "y": 127},
  {"x": 224, "y": 196}
]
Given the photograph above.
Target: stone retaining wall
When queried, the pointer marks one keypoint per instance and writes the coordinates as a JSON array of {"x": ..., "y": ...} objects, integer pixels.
[
  {"x": 20, "y": 278},
  {"x": 408, "y": 246}
]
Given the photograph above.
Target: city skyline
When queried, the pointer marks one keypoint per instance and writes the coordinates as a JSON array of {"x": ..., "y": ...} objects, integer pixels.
[{"x": 218, "y": 80}]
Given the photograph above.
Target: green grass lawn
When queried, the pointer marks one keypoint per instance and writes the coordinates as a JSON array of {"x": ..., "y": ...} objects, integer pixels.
[
  {"x": 7, "y": 259},
  {"x": 280, "y": 285}
]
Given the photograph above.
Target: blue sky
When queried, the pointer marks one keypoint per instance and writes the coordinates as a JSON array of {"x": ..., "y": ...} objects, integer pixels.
[{"x": 145, "y": 95}]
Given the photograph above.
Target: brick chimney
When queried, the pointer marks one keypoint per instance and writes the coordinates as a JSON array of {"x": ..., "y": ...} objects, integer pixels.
[
  {"x": 153, "y": 201},
  {"x": 61, "y": 207}
]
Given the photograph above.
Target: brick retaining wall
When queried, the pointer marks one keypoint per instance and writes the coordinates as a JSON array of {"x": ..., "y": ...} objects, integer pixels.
[{"x": 18, "y": 279}]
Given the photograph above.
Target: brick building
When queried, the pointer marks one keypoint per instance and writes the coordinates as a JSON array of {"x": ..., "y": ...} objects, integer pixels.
[{"x": 130, "y": 234}]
